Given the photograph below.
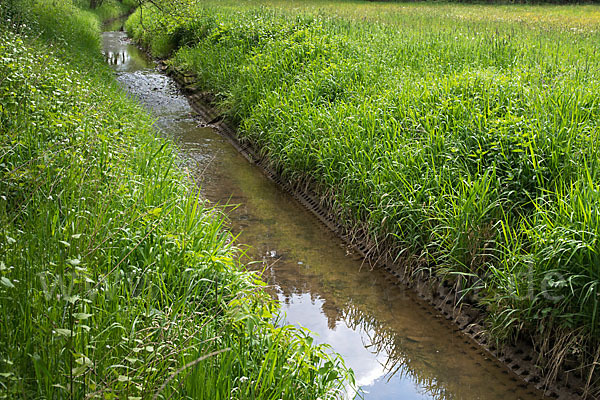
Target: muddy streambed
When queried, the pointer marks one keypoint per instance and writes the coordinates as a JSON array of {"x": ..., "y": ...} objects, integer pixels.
[{"x": 398, "y": 346}]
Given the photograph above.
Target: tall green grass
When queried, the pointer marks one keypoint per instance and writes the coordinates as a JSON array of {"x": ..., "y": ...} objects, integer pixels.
[
  {"x": 116, "y": 279},
  {"x": 109, "y": 9},
  {"x": 461, "y": 140}
]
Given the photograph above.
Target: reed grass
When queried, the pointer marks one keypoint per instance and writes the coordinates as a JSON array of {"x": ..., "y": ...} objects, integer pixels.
[
  {"x": 461, "y": 139},
  {"x": 116, "y": 279}
]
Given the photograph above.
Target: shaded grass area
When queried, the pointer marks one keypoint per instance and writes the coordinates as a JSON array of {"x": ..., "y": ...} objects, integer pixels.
[
  {"x": 108, "y": 10},
  {"x": 461, "y": 140},
  {"x": 116, "y": 279}
]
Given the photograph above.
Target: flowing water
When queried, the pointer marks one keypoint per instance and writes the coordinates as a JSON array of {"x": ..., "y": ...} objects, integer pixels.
[{"x": 398, "y": 346}]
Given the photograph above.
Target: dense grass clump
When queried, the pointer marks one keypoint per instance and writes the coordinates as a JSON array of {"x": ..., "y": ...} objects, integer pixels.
[
  {"x": 116, "y": 280},
  {"x": 461, "y": 140}
]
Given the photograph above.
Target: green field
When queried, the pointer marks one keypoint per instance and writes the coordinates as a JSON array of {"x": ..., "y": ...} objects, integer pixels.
[
  {"x": 463, "y": 140},
  {"x": 117, "y": 281}
]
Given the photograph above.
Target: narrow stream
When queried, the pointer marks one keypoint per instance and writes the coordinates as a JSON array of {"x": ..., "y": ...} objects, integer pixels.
[{"x": 398, "y": 346}]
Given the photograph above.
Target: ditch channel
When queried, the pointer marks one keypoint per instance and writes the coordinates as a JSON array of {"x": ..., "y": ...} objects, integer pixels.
[{"x": 399, "y": 346}]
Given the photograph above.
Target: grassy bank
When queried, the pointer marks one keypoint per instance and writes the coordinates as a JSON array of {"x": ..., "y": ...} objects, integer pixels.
[
  {"x": 108, "y": 9},
  {"x": 462, "y": 140},
  {"x": 116, "y": 280}
]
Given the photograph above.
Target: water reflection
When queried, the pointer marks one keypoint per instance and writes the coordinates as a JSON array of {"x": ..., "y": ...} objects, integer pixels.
[
  {"x": 399, "y": 347},
  {"x": 120, "y": 55},
  {"x": 116, "y": 58}
]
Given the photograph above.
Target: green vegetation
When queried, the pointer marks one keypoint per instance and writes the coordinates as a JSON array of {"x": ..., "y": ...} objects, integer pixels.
[
  {"x": 108, "y": 10},
  {"x": 462, "y": 140},
  {"x": 116, "y": 279}
]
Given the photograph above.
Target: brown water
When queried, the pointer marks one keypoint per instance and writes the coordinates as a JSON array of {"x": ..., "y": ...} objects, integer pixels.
[{"x": 398, "y": 346}]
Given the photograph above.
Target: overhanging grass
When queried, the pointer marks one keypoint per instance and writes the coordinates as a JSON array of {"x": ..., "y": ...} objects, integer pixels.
[
  {"x": 461, "y": 139},
  {"x": 116, "y": 280}
]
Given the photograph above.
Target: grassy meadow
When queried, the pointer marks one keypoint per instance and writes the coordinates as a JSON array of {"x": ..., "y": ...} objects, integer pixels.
[
  {"x": 116, "y": 279},
  {"x": 462, "y": 140}
]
